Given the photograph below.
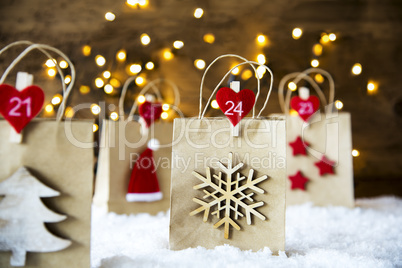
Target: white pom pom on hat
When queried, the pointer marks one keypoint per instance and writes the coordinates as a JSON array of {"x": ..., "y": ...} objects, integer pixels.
[{"x": 153, "y": 144}]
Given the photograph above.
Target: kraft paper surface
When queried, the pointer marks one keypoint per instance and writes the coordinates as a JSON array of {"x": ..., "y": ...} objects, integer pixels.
[
  {"x": 121, "y": 144},
  {"x": 329, "y": 135},
  {"x": 198, "y": 144},
  {"x": 56, "y": 162}
]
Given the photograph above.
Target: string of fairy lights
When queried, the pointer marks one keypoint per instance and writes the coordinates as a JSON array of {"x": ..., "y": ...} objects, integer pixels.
[{"x": 109, "y": 84}]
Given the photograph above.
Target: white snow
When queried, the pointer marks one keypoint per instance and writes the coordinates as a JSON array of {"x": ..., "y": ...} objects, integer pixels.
[{"x": 370, "y": 235}]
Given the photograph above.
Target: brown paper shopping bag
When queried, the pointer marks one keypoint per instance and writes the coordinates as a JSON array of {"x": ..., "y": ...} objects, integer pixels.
[
  {"x": 228, "y": 189},
  {"x": 52, "y": 159},
  {"x": 122, "y": 144},
  {"x": 319, "y": 162}
]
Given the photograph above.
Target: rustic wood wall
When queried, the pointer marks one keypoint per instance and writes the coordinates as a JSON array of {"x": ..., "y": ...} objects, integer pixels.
[{"x": 368, "y": 32}]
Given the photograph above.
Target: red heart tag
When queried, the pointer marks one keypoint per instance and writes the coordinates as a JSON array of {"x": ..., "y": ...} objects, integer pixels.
[
  {"x": 305, "y": 108},
  {"x": 235, "y": 105},
  {"x": 150, "y": 112},
  {"x": 19, "y": 107}
]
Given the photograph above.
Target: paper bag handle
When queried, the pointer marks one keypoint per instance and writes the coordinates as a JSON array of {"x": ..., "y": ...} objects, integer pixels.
[
  {"x": 43, "y": 48},
  {"x": 124, "y": 92},
  {"x": 297, "y": 76},
  {"x": 203, "y": 78},
  {"x": 251, "y": 63},
  {"x": 152, "y": 84}
]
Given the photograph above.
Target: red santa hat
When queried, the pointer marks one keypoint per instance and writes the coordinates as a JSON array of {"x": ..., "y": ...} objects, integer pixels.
[{"x": 143, "y": 185}]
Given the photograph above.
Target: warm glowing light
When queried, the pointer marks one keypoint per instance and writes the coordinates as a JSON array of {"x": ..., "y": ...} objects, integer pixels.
[
  {"x": 114, "y": 116},
  {"x": 214, "y": 104},
  {"x": 167, "y": 54},
  {"x": 324, "y": 39},
  {"x": 67, "y": 79},
  {"x": 99, "y": 82},
  {"x": 106, "y": 74},
  {"x": 198, "y": 13},
  {"x": 200, "y": 64},
  {"x": 292, "y": 86},
  {"x": 49, "y": 108},
  {"x": 293, "y": 112},
  {"x": 315, "y": 63},
  {"x": 51, "y": 63},
  {"x": 69, "y": 113},
  {"x": 297, "y": 33},
  {"x": 143, "y": 3},
  {"x": 145, "y": 39},
  {"x": 355, "y": 153},
  {"x": 209, "y": 38},
  {"x": 56, "y": 99},
  {"x": 319, "y": 78},
  {"x": 338, "y": 104},
  {"x": 84, "y": 89},
  {"x": 108, "y": 88},
  {"x": 115, "y": 83},
  {"x": 109, "y": 16},
  {"x": 357, "y": 69},
  {"x": 140, "y": 80},
  {"x": 100, "y": 60},
  {"x": 246, "y": 74},
  {"x": 178, "y": 44},
  {"x": 317, "y": 49},
  {"x": 372, "y": 87},
  {"x": 260, "y": 72},
  {"x": 135, "y": 68},
  {"x": 164, "y": 115},
  {"x": 63, "y": 64},
  {"x": 95, "y": 127},
  {"x": 261, "y": 39},
  {"x": 332, "y": 37},
  {"x": 261, "y": 59},
  {"x": 236, "y": 71},
  {"x": 165, "y": 107},
  {"x": 51, "y": 72},
  {"x": 95, "y": 109},
  {"x": 141, "y": 99},
  {"x": 150, "y": 65},
  {"x": 121, "y": 55},
  {"x": 86, "y": 50},
  {"x": 132, "y": 3}
]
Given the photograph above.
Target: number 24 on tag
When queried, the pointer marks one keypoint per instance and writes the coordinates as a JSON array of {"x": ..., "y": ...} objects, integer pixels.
[{"x": 238, "y": 109}]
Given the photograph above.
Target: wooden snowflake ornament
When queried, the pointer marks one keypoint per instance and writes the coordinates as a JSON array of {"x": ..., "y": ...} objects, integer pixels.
[
  {"x": 228, "y": 196},
  {"x": 22, "y": 217}
]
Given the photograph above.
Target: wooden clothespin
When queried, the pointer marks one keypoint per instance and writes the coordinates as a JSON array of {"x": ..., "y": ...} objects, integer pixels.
[
  {"x": 149, "y": 97},
  {"x": 23, "y": 80},
  {"x": 235, "y": 86},
  {"x": 304, "y": 93}
]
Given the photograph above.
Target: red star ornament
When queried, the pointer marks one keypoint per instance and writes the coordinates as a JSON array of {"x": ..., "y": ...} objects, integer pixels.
[
  {"x": 298, "y": 181},
  {"x": 325, "y": 166},
  {"x": 298, "y": 146}
]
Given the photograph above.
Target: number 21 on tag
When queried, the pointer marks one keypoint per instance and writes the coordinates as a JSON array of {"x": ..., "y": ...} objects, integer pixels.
[{"x": 18, "y": 104}]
